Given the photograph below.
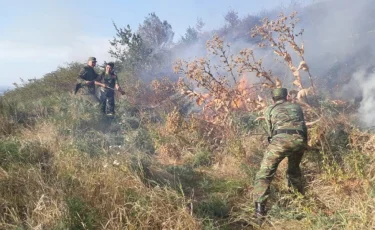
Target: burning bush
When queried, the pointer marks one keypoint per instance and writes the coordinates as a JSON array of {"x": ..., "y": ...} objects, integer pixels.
[{"x": 222, "y": 87}]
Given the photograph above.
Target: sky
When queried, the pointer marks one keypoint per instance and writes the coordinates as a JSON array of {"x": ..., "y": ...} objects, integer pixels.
[{"x": 38, "y": 36}]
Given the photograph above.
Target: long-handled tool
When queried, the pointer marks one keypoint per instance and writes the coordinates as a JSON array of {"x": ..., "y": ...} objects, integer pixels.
[{"x": 121, "y": 91}]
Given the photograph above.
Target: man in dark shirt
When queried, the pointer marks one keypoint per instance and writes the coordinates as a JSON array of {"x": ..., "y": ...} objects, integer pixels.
[{"x": 109, "y": 83}]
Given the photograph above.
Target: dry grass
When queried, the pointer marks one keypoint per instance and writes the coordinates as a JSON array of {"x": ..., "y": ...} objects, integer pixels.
[
  {"x": 6, "y": 127},
  {"x": 76, "y": 190}
]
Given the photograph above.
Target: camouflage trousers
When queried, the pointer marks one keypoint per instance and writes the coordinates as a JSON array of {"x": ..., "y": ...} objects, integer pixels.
[{"x": 281, "y": 146}]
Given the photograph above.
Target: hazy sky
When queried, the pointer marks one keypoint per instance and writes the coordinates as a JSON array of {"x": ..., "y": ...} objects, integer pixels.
[{"x": 38, "y": 36}]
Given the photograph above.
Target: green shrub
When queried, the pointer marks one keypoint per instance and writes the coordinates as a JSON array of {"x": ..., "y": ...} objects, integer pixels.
[
  {"x": 81, "y": 215},
  {"x": 10, "y": 153},
  {"x": 140, "y": 139},
  {"x": 213, "y": 207},
  {"x": 201, "y": 158}
]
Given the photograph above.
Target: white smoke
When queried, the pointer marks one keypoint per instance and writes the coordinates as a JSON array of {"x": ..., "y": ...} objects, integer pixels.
[
  {"x": 339, "y": 46},
  {"x": 367, "y": 109},
  {"x": 362, "y": 84}
]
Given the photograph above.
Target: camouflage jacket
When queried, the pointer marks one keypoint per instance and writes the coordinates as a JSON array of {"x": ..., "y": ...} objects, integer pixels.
[
  {"x": 285, "y": 115},
  {"x": 87, "y": 73}
]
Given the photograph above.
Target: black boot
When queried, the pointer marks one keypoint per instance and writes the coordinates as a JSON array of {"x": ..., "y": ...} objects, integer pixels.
[
  {"x": 260, "y": 212},
  {"x": 297, "y": 186}
]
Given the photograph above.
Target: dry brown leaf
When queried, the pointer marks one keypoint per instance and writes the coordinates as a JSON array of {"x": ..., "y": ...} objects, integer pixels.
[
  {"x": 206, "y": 95},
  {"x": 303, "y": 93},
  {"x": 3, "y": 174},
  {"x": 292, "y": 93},
  {"x": 278, "y": 53},
  {"x": 237, "y": 103},
  {"x": 287, "y": 58},
  {"x": 278, "y": 82},
  {"x": 261, "y": 74},
  {"x": 339, "y": 102},
  {"x": 297, "y": 83},
  {"x": 260, "y": 98},
  {"x": 260, "y": 118},
  {"x": 242, "y": 84},
  {"x": 267, "y": 85},
  {"x": 199, "y": 101},
  {"x": 226, "y": 108},
  {"x": 292, "y": 68},
  {"x": 297, "y": 74},
  {"x": 295, "y": 47},
  {"x": 262, "y": 103},
  {"x": 303, "y": 66},
  {"x": 311, "y": 123}
]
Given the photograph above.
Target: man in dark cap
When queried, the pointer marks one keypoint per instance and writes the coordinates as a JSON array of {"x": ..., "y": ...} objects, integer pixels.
[
  {"x": 87, "y": 79},
  {"x": 287, "y": 129}
]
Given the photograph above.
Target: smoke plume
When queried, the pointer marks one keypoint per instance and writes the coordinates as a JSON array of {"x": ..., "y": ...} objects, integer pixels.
[{"x": 338, "y": 38}]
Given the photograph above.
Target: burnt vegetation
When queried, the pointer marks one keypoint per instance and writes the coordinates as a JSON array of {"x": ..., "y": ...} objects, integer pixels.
[{"x": 187, "y": 140}]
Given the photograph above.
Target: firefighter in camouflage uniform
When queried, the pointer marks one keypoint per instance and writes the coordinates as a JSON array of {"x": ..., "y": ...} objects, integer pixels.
[
  {"x": 87, "y": 82},
  {"x": 288, "y": 138}
]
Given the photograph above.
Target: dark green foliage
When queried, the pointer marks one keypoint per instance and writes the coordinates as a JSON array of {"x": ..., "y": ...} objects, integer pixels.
[
  {"x": 81, "y": 215},
  {"x": 147, "y": 50},
  {"x": 250, "y": 170},
  {"x": 232, "y": 18},
  {"x": 38, "y": 98},
  {"x": 213, "y": 207},
  {"x": 338, "y": 138},
  {"x": 129, "y": 49},
  {"x": 7, "y": 125},
  {"x": 246, "y": 122},
  {"x": 137, "y": 138},
  {"x": 229, "y": 187},
  {"x": 191, "y": 36},
  {"x": 156, "y": 33},
  {"x": 143, "y": 141},
  {"x": 238, "y": 28},
  {"x": 201, "y": 158},
  {"x": 13, "y": 153},
  {"x": 186, "y": 175},
  {"x": 9, "y": 153},
  {"x": 282, "y": 211}
]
